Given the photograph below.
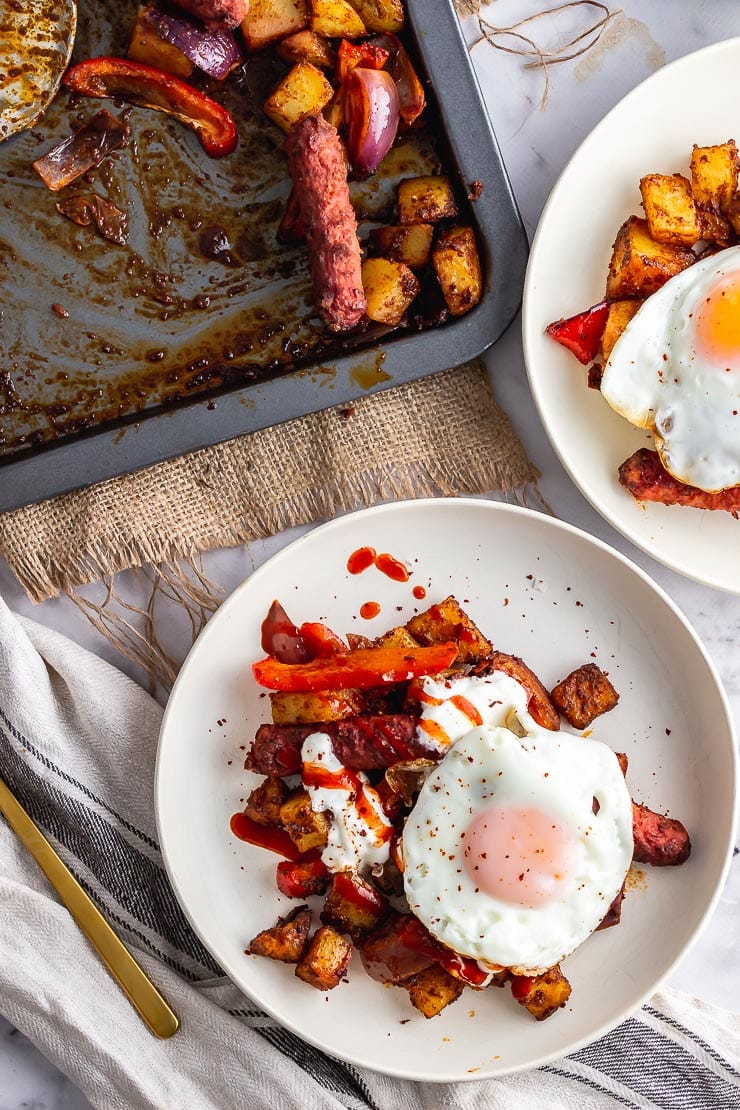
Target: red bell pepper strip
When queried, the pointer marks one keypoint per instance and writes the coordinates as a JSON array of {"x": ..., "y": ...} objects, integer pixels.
[
  {"x": 148, "y": 87},
  {"x": 321, "y": 641},
  {"x": 581, "y": 334},
  {"x": 353, "y": 54},
  {"x": 362, "y": 668},
  {"x": 302, "y": 878}
]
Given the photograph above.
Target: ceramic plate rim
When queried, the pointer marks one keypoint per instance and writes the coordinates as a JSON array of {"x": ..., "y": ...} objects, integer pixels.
[
  {"x": 530, "y": 327},
  {"x": 546, "y": 522}
]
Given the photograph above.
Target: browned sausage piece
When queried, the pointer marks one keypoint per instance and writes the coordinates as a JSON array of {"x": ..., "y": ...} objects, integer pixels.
[
  {"x": 360, "y": 743},
  {"x": 584, "y": 695},
  {"x": 319, "y": 172},
  {"x": 644, "y": 475},
  {"x": 661, "y": 841}
]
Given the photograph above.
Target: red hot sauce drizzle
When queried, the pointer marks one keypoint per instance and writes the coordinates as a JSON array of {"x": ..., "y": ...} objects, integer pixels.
[
  {"x": 264, "y": 836},
  {"x": 419, "y": 593},
  {"x": 361, "y": 559},
  {"x": 392, "y": 568},
  {"x": 369, "y": 610}
]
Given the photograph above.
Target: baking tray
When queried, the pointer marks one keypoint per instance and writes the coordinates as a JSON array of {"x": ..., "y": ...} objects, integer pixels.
[{"x": 147, "y": 365}]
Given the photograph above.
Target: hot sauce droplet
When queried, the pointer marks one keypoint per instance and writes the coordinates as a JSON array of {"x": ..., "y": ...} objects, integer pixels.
[
  {"x": 419, "y": 593},
  {"x": 391, "y": 567},
  {"x": 360, "y": 560},
  {"x": 369, "y": 610}
]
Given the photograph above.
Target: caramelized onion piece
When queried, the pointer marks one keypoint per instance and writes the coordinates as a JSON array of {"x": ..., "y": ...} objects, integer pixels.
[
  {"x": 82, "y": 151},
  {"x": 89, "y": 208},
  {"x": 406, "y": 779}
]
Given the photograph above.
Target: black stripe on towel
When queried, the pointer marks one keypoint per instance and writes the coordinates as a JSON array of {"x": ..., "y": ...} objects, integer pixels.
[
  {"x": 134, "y": 881},
  {"x": 695, "y": 1038},
  {"x": 76, "y": 783},
  {"x": 327, "y": 1072},
  {"x": 658, "y": 1069}
]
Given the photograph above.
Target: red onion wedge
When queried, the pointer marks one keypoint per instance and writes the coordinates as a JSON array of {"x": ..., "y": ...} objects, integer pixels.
[
  {"x": 372, "y": 112},
  {"x": 215, "y": 52},
  {"x": 410, "y": 90}
]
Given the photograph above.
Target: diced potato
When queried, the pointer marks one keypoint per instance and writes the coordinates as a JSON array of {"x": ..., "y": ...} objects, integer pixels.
[
  {"x": 306, "y": 829},
  {"x": 305, "y": 46},
  {"x": 433, "y": 989},
  {"x": 385, "y": 16},
  {"x": 265, "y": 801},
  {"x": 458, "y": 269},
  {"x": 584, "y": 695},
  {"x": 325, "y": 963},
  {"x": 268, "y": 20},
  {"x": 546, "y": 994},
  {"x": 411, "y": 245},
  {"x": 425, "y": 200},
  {"x": 620, "y": 314},
  {"x": 390, "y": 287},
  {"x": 309, "y": 709},
  {"x": 285, "y": 941},
  {"x": 303, "y": 91},
  {"x": 448, "y": 622},
  {"x": 714, "y": 172},
  {"x": 146, "y": 46},
  {"x": 670, "y": 209},
  {"x": 639, "y": 265},
  {"x": 352, "y": 905},
  {"x": 396, "y": 637},
  {"x": 334, "y": 19}
]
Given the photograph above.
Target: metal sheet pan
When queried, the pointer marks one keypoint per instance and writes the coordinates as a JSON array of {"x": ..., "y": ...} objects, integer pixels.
[{"x": 167, "y": 349}]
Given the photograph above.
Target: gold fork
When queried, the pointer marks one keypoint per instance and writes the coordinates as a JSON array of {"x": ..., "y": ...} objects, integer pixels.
[{"x": 141, "y": 992}]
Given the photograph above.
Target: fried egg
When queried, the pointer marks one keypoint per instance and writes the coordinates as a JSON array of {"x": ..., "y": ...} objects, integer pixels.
[
  {"x": 675, "y": 370},
  {"x": 504, "y": 859}
]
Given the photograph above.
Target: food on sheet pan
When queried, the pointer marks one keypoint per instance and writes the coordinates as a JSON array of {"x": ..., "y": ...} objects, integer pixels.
[
  {"x": 666, "y": 339},
  {"x": 350, "y": 90},
  {"x": 422, "y": 787}
]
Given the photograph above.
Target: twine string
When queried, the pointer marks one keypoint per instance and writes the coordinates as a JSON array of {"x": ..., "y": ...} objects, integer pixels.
[{"x": 542, "y": 57}]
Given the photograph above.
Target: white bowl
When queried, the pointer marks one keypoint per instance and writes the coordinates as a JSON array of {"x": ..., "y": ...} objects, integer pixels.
[
  {"x": 651, "y": 130},
  {"x": 542, "y": 590}
]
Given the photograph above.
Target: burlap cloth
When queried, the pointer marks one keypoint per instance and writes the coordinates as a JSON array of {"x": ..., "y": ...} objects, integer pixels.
[{"x": 443, "y": 435}]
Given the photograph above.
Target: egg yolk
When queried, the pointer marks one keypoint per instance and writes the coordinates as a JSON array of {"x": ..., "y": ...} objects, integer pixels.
[
  {"x": 522, "y": 856},
  {"x": 718, "y": 324}
]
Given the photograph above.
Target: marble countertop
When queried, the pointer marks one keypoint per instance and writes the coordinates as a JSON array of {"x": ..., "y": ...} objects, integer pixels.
[{"x": 536, "y": 143}]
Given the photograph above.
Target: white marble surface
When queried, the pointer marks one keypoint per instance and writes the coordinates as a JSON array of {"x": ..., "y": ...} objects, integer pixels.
[{"x": 536, "y": 144}]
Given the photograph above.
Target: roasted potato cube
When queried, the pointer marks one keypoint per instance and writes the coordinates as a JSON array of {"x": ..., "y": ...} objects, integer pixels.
[
  {"x": 381, "y": 15},
  {"x": 670, "y": 209},
  {"x": 411, "y": 245},
  {"x": 584, "y": 695},
  {"x": 390, "y": 287},
  {"x": 310, "y": 709},
  {"x": 335, "y": 19},
  {"x": 425, "y": 200},
  {"x": 457, "y": 265},
  {"x": 287, "y": 940},
  {"x": 326, "y": 960},
  {"x": 306, "y": 46},
  {"x": 620, "y": 314},
  {"x": 433, "y": 989},
  {"x": 146, "y": 46},
  {"x": 306, "y": 829},
  {"x": 303, "y": 91},
  {"x": 447, "y": 622},
  {"x": 352, "y": 905},
  {"x": 396, "y": 637},
  {"x": 542, "y": 994},
  {"x": 265, "y": 801},
  {"x": 639, "y": 265},
  {"x": 714, "y": 172},
  {"x": 268, "y": 20}
]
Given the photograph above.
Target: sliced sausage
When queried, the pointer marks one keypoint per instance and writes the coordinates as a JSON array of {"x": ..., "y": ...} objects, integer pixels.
[{"x": 661, "y": 841}]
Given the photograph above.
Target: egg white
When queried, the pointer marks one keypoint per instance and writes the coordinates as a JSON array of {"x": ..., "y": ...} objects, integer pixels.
[
  {"x": 655, "y": 378},
  {"x": 558, "y": 773}
]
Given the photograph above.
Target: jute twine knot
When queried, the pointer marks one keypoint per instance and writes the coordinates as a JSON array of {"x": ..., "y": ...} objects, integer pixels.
[{"x": 516, "y": 39}]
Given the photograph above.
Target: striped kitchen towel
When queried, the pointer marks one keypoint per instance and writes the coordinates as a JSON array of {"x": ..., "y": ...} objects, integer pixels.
[{"x": 77, "y": 745}]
